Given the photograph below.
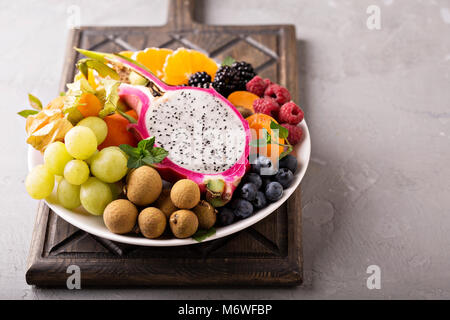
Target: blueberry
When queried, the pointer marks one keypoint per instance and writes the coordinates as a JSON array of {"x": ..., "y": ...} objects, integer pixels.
[
  {"x": 265, "y": 181},
  {"x": 260, "y": 200},
  {"x": 248, "y": 191},
  {"x": 253, "y": 178},
  {"x": 274, "y": 191},
  {"x": 284, "y": 177},
  {"x": 263, "y": 166},
  {"x": 242, "y": 208},
  {"x": 225, "y": 216},
  {"x": 289, "y": 162}
]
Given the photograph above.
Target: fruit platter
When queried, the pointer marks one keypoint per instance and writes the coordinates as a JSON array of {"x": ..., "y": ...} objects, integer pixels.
[{"x": 165, "y": 147}]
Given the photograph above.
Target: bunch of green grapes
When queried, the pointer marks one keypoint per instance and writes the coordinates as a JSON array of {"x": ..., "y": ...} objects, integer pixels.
[{"x": 86, "y": 172}]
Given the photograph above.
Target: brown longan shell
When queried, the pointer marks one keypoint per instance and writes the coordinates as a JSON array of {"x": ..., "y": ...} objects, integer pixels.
[
  {"x": 183, "y": 223},
  {"x": 185, "y": 194},
  {"x": 120, "y": 216},
  {"x": 206, "y": 215},
  {"x": 165, "y": 204},
  {"x": 144, "y": 185},
  {"x": 152, "y": 222}
]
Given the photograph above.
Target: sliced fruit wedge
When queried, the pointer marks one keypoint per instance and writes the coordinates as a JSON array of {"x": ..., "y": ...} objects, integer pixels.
[
  {"x": 183, "y": 63},
  {"x": 153, "y": 59}
]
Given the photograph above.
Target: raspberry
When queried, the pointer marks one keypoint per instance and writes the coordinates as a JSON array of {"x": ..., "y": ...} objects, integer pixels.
[
  {"x": 290, "y": 113},
  {"x": 267, "y": 82},
  {"x": 267, "y": 106},
  {"x": 295, "y": 133},
  {"x": 279, "y": 93},
  {"x": 257, "y": 86}
]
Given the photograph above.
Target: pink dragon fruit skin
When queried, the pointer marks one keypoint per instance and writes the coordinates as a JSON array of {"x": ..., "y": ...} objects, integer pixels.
[
  {"x": 219, "y": 187},
  {"x": 218, "y": 193}
]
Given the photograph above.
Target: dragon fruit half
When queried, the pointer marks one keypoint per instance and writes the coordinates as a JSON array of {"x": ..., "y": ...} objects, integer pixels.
[{"x": 206, "y": 137}]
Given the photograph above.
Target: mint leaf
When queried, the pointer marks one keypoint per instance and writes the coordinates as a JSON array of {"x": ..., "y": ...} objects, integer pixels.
[
  {"x": 144, "y": 154},
  {"x": 201, "y": 235},
  {"x": 26, "y": 113},
  {"x": 129, "y": 150},
  {"x": 35, "y": 103},
  {"x": 146, "y": 144},
  {"x": 282, "y": 131},
  {"x": 134, "y": 163},
  {"x": 228, "y": 61},
  {"x": 158, "y": 154}
]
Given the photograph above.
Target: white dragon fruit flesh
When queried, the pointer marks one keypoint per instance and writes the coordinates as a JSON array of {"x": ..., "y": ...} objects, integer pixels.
[{"x": 206, "y": 137}]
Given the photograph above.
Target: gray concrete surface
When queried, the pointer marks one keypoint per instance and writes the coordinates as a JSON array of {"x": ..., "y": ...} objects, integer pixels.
[{"x": 377, "y": 102}]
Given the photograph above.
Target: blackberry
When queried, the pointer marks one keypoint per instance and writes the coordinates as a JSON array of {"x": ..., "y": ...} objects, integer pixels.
[
  {"x": 200, "y": 80},
  {"x": 245, "y": 70},
  {"x": 228, "y": 80}
]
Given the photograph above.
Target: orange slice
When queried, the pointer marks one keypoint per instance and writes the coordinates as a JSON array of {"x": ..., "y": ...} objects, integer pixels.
[
  {"x": 153, "y": 59},
  {"x": 243, "y": 99},
  {"x": 127, "y": 54},
  {"x": 259, "y": 121},
  {"x": 183, "y": 63}
]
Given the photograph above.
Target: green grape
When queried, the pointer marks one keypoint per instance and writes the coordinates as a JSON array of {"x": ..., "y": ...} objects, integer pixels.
[
  {"x": 81, "y": 142},
  {"x": 95, "y": 196},
  {"x": 89, "y": 160},
  {"x": 109, "y": 165},
  {"x": 68, "y": 195},
  {"x": 116, "y": 188},
  {"x": 56, "y": 157},
  {"x": 76, "y": 172},
  {"x": 97, "y": 125},
  {"x": 40, "y": 182}
]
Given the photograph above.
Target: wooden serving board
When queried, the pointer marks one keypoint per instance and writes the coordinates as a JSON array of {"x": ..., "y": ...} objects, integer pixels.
[{"x": 268, "y": 253}]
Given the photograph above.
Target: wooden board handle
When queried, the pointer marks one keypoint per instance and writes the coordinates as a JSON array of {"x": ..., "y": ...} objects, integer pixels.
[{"x": 181, "y": 14}]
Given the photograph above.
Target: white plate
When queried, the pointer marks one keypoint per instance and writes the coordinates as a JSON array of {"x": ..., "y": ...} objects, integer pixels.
[{"x": 94, "y": 224}]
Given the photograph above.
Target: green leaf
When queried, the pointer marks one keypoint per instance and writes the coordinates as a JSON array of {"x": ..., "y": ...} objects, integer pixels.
[
  {"x": 146, "y": 144},
  {"x": 62, "y": 94},
  {"x": 258, "y": 143},
  {"x": 100, "y": 56},
  {"x": 287, "y": 151},
  {"x": 159, "y": 154},
  {"x": 282, "y": 131},
  {"x": 145, "y": 153},
  {"x": 111, "y": 97},
  {"x": 129, "y": 150},
  {"x": 83, "y": 67},
  {"x": 228, "y": 61},
  {"x": 35, "y": 103},
  {"x": 103, "y": 70},
  {"x": 126, "y": 116},
  {"x": 26, "y": 113},
  {"x": 201, "y": 234},
  {"x": 134, "y": 163}
]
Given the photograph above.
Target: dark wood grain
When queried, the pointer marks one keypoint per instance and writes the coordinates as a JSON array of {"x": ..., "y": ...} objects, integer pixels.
[{"x": 268, "y": 253}]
